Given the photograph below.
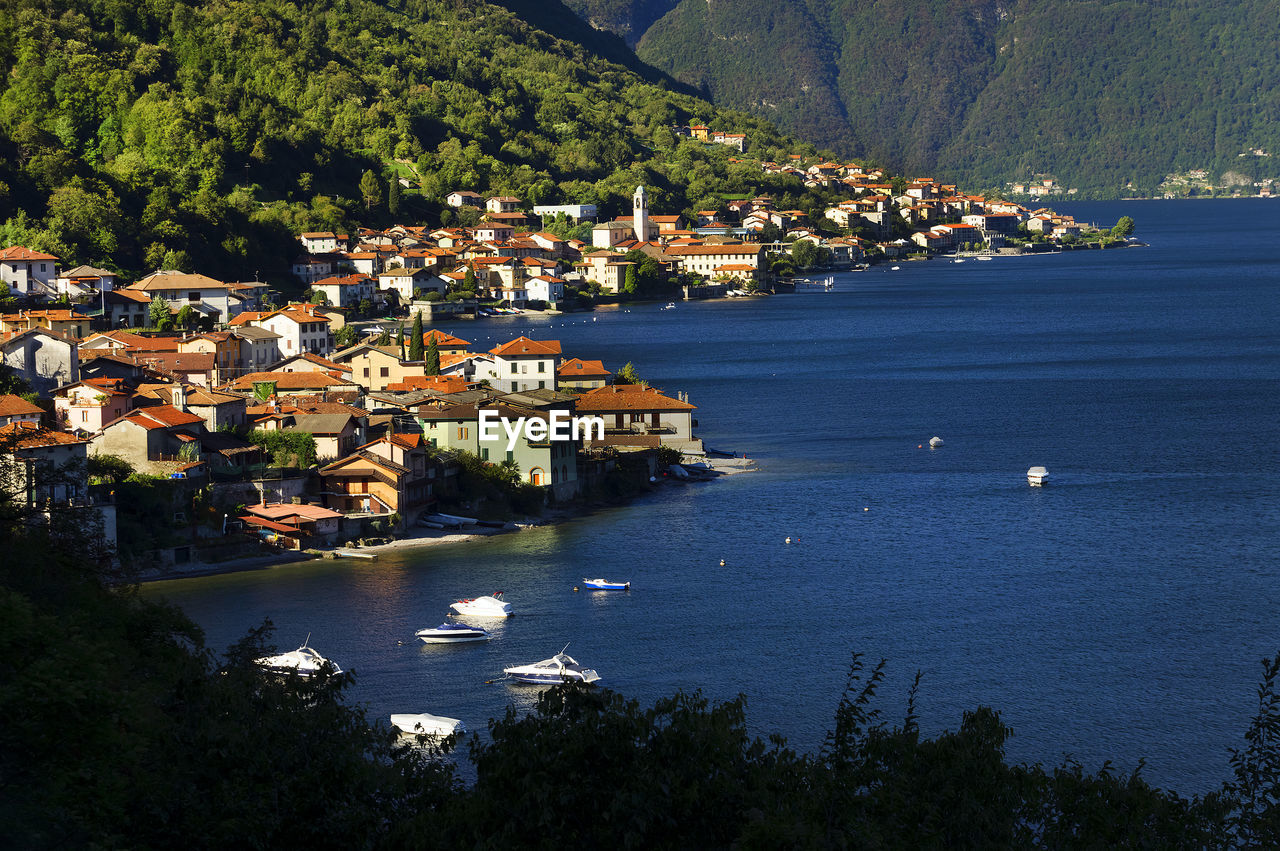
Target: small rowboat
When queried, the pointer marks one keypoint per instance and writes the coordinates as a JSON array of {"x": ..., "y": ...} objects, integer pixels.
[{"x": 605, "y": 585}]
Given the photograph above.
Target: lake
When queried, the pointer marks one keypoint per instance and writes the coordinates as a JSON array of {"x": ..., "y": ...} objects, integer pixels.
[{"x": 1118, "y": 613}]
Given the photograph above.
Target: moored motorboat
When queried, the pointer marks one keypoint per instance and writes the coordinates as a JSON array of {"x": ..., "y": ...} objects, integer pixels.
[
  {"x": 1037, "y": 476},
  {"x": 484, "y": 607},
  {"x": 605, "y": 585},
  {"x": 560, "y": 668},
  {"x": 453, "y": 633},
  {"x": 304, "y": 662},
  {"x": 426, "y": 724}
]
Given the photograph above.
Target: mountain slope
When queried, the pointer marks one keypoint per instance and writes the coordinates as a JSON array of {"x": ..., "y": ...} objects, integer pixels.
[
  {"x": 1101, "y": 93},
  {"x": 207, "y": 135}
]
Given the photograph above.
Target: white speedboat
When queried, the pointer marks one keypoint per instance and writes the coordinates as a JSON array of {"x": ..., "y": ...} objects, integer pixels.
[
  {"x": 606, "y": 585},
  {"x": 1037, "y": 476},
  {"x": 560, "y": 668},
  {"x": 484, "y": 607},
  {"x": 304, "y": 661},
  {"x": 453, "y": 633},
  {"x": 935, "y": 442},
  {"x": 426, "y": 724}
]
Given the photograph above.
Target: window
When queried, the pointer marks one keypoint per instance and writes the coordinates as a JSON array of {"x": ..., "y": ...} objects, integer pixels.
[
  {"x": 366, "y": 372},
  {"x": 484, "y": 454},
  {"x": 542, "y": 367},
  {"x": 383, "y": 372},
  {"x": 194, "y": 295},
  {"x": 514, "y": 370},
  {"x": 511, "y": 456},
  {"x": 463, "y": 433}
]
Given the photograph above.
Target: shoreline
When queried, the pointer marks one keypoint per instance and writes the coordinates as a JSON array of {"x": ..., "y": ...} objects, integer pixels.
[{"x": 425, "y": 538}]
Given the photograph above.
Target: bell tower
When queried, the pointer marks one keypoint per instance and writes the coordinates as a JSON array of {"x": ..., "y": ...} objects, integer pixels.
[{"x": 640, "y": 214}]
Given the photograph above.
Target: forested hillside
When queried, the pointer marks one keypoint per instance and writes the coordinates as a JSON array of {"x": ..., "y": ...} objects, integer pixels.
[
  {"x": 1107, "y": 95},
  {"x": 207, "y": 135}
]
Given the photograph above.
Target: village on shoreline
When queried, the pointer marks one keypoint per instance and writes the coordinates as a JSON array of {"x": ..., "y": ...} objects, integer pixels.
[{"x": 192, "y": 421}]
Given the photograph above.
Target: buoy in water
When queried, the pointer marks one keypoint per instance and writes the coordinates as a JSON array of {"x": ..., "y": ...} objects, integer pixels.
[
  {"x": 722, "y": 562},
  {"x": 788, "y": 540},
  {"x": 575, "y": 589}
]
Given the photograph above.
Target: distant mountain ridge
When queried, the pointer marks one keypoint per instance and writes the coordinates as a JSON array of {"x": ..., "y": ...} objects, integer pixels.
[{"x": 1107, "y": 95}]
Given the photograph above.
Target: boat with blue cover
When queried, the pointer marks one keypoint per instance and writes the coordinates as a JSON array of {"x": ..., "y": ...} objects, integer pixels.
[
  {"x": 605, "y": 585},
  {"x": 453, "y": 633}
]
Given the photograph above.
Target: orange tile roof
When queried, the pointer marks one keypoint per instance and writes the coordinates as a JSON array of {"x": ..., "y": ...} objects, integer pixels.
[
  {"x": 629, "y": 397},
  {"x": 160, "y": 416},
  {"x": 577, "y": 368},
  {"x": 16, "y": 406},
  {"x": 21, "y": 252},
  {"x": 443, "y": 339},
  {"x": 524, "y": 346},
  {"x": 24, "y": 435},
  {"x": 291, "y": 380}
]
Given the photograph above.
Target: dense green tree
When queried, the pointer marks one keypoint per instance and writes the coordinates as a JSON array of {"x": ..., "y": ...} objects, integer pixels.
[
  {"x": 415, "y": 337},
  {"x": 370, "y": 190},
  {"x": 346, "y": 336},
  {"x": 393, "y": 197},
  {"x": 628, "y": 375},
  {"x": 433, "y": 357},
  {"x": 186, "y": 317},
  {"x": 1123, "y": 228},
  {"x": 159, "y": 313}
]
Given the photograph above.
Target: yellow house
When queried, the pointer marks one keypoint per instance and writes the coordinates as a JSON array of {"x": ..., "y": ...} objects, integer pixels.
[
  {"x": 64, "y": 322},
  {"x": 374, "y": 367}
]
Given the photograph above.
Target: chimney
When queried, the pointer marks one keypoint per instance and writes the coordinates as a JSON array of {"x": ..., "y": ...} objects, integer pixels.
[{"x": 179, "y": 394}]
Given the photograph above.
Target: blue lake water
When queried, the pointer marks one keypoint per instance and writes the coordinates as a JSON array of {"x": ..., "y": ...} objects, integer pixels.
[{"x": 1119, "y": 613}]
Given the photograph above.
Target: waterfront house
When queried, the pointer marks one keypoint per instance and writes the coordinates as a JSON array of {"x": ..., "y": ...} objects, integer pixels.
[
  {"x": 391, "y": 475},
  {"x": 703, "y": 259},
  {"x": 302, "y": 525},
  {"x": 638, "y": 409}
]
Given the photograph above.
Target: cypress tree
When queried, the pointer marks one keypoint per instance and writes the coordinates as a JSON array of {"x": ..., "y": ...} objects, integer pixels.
[
  {"x": 433, "y": 357},
  {"x": 393, "y": 196},
  {"x": 415, "y": 338}
]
